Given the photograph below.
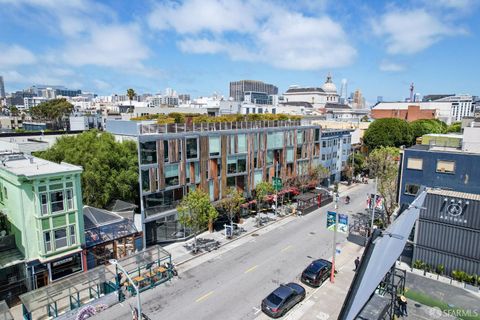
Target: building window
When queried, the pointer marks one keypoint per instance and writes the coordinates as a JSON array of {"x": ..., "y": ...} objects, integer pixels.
[
  {"x": 323, "y": 157},
  {"x": 324, "y": 144},
  {"x": 411, "y": 189},
  {"x": 445, "y": 166},
  {"x": 242, "y": 165},
  {"x": 230, "y": 182},
  {"x": 192, "y": 150},
  {"x": 214, "y": 146},
  {"x": 56, "y": 198},
  {"x": 148, "y": 152},
  {"x": 165, "y": 150},
  {"x": 73, "y": 238},
  {"x": 47, "y": 241},
  {"x": 415, "y": 163},
  {"x": 43, "y": 204},
  {"x": 171, "y": 175},
  {"x": 69, "y": 199},
  {"x": 60, "y": 238}
]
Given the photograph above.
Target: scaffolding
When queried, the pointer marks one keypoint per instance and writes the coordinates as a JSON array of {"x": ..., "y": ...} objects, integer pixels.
[
  {"x": 62, "y": 296},
  {"x": 147, "y": 268}
]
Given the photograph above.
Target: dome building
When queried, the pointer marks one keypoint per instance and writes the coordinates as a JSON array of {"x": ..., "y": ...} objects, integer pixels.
[{"x": 318, "y": 97}]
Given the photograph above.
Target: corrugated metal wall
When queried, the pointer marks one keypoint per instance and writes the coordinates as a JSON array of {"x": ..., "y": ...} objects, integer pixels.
[
  {"x": 451, "y": 262},
  {"x": 455, "y": 240},
  {"x": 436, "y": 210}
]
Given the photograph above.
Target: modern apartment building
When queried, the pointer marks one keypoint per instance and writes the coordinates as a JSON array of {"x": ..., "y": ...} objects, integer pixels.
[
  {"x": 335, "y": 150},
  {"x": 41, "y": 222},
  {"x": 239, "y": 88},
  {"x": 177, "y": 158}
]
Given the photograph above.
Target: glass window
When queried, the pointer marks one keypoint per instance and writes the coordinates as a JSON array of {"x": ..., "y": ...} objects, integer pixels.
[
  {"x": 192, "y": 150},
  {"x": 56, "y": 200},
  {"x": 323, "y": 157},
  {"x": 214, "y": 146},
  {"x": 290, "y": 155},
  {"x": 148, "y": 152},
  {"x": 60, "y": 238},
  {"x": 171, "y": 175},
  {"x": 43, "y": 203},
  {"x": 165, "y": 150},
  {"x": 324, "y": 144},
  {"x": 299, "y": 137},
  {"x": 230, "y": 181},
  {"x": 69, "y": 199},
  {"x": 73, "y": 238},
  {"x": 241, "y": 165},
  {"x": 232, "y": 164},
  {"x": 445, "y": 166},
  {"x": 415, "y": 163},
  {"x": 299, "y": 153},
  {"x": 242, "y": 143},
  {"x": 411, "y": 189},
  {"x": 275, "y": 140},
  {"x": 258, "y": 177},
  {"x": 317, "y": 134},
  {"x": 47, "y": 241},
  {"x": 269, "y": 157},
  {"x": 145, "y": 180}
]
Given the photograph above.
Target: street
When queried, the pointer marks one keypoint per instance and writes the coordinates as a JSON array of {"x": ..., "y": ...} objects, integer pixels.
[{"x": 231, "y": 284}]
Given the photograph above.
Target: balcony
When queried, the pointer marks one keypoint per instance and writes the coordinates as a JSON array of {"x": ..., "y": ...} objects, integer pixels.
[
  {"x": 7, "y": 242},
  {"x": 214, "y": 126}
]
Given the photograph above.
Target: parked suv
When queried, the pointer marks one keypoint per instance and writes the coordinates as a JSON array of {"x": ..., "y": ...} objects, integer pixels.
[
  {"x": 283, "y": 299},
  {"x": 316, "y": 272}
]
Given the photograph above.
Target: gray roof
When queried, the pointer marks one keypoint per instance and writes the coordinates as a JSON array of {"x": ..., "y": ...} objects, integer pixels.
[
  {"x": 297, "y": 104},
  {"x": 94, "y": 217},
  {"x": 300, "y": 90},
  {"x": 337, "y": 106},
  {"x": 119, "y": 206}
]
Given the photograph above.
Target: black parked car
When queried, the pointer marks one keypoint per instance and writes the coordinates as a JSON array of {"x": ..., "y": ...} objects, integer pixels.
[
  {"x": 316, "y": 272},
  {"x": 283, "y": 299}
]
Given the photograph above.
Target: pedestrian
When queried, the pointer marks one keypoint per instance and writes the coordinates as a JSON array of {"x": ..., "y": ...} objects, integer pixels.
[
  {"x": 403, "y": 306},
  {"x": 357, "y": 263}
]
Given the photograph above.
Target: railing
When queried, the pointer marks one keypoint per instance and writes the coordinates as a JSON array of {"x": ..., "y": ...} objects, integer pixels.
[
  {"x": 161, "y": 208},
  {"x": 214, "y": 126}
]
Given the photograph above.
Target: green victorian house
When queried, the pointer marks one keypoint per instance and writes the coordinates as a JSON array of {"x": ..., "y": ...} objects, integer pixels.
[{"x": 41, "y": 223}]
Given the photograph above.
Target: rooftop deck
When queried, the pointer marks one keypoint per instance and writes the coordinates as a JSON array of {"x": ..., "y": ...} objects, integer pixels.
[{"x": 214, "y": 126}]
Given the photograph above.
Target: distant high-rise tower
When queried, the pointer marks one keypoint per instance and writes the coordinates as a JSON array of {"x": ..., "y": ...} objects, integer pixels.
[
  {"x": 238, "y": 88},
  {"x": 412, "y": 87},
  {"x": 2, "y": 88},
  {"x": 344, "y": 90},
  {"x": 358, "y": 100}
]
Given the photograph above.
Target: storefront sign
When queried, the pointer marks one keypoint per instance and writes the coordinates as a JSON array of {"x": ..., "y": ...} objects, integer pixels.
[
  {"x": 63, "y": 261},
  {"x": 342, "y": 223},
  {"x": 331, "y": 220}
]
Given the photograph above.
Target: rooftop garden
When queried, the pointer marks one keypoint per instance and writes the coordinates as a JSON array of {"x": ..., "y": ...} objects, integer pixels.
[{"x": 176, "y": 117}]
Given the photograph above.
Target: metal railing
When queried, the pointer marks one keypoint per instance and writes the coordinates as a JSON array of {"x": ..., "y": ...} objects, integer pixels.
[{"x": 214, "y": 126}]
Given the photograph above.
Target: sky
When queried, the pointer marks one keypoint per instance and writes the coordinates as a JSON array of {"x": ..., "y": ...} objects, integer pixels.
[{"x": 199, "y": 46}]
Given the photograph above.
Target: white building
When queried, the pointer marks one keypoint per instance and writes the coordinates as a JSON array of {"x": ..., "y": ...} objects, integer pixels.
[
  {"x": 463, "y": 105},
  {"x": 318, "y": 97},
  {"x": 33, "y": 102}
]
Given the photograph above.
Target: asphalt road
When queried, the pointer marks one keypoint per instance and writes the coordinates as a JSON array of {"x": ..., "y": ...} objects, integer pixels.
[{"x": 232, "y": 284}]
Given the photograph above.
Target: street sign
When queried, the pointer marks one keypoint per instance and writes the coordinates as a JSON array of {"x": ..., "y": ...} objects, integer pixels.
[
  {"x": 277, "y": 183},
  {"x": 342, "y": 223},
  {"x": 331, "y": 220}
]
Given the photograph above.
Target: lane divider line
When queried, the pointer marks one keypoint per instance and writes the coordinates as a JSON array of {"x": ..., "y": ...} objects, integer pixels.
[
  {"x": 205, "y": 296},
  {"x": 251, "y": 269}
]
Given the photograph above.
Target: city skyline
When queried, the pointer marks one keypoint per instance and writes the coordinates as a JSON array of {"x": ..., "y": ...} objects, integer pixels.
[{"x": 380, "y": 48}]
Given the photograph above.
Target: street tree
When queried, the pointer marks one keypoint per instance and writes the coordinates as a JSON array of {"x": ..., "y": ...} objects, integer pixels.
[
  {"x": 231, "y": 204},
  {"x": 261, "y": 191},
  {"x": 359, "y": 163},
  {"x": 14, "y": 112},
  {"x": 383, "y": 164},
  {"x": 455, "y": 127},
  {"x": 131, "y": 94},
  {"x": 110, "y": 168},
  {"x": 388, "y": 132},
  {"x": 55, "y": 111},
  {"x": 196, "y": 211},
  {"x": 318, "y": 173}
]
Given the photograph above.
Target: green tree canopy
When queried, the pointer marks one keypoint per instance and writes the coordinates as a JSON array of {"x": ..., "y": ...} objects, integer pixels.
[
  {"x": 426, "y": 126},
  {"x": 388, "y": 132},
  {"x": 55, "y": 110},
  {"x": 454, "y": 127},
  {"x": 231, "y": 203},
  {"x": 359, "y": 162},
  {"x": 383, "y": 164},
  {"x": 110, "y": 167},
  {"x": 131, "y": 94},
  {"x": 262, "y": 190},
  {"x": 196, "y": 211}
]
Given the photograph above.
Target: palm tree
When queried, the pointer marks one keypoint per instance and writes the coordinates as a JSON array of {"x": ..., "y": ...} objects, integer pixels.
[{"x": 131, "y": 94}]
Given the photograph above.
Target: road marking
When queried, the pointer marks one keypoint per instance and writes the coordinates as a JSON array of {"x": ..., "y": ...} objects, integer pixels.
[
  {"x": 257, "y": 310},
  {"x": 251, "y": 269},
  {"x": 286, "y": 248},
  {"x": 205, "y": 296}
]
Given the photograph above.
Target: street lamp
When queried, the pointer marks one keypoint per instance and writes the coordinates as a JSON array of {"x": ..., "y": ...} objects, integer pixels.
[{"x": 139, "y": 303}]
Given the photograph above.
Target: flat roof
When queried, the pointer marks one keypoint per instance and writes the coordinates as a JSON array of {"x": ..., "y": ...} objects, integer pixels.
[
  {"x": 454, "y": 194},
  {"x": 20, "y": 164}
]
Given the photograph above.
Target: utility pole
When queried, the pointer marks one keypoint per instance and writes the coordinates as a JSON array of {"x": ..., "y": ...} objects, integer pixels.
[
  {"x": 332, "y": 273},
  {"x": 373, "y": 207},
  {"x": 353, "y": 166},
  {"x": 137, "y": 289}
]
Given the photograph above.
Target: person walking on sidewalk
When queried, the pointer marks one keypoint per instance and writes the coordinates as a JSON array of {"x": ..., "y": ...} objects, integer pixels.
[
  {"x": 403, "y": 306},
  {"x": 357, "y": 263}
]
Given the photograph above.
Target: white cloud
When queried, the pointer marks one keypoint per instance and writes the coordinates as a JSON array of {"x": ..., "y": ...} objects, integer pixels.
[
  {"x": 253, "y": 30},
  {"x": 14, "y": 55},
  {"x": 112, "y": 46},
  {"x": 408, "y": 32},
  {"x": 389, "y": 66},
  {"x": 101, "y": 85}
]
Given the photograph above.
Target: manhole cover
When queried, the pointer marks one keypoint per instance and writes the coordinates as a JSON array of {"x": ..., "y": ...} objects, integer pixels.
[{"x": 254, "y": 234}]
